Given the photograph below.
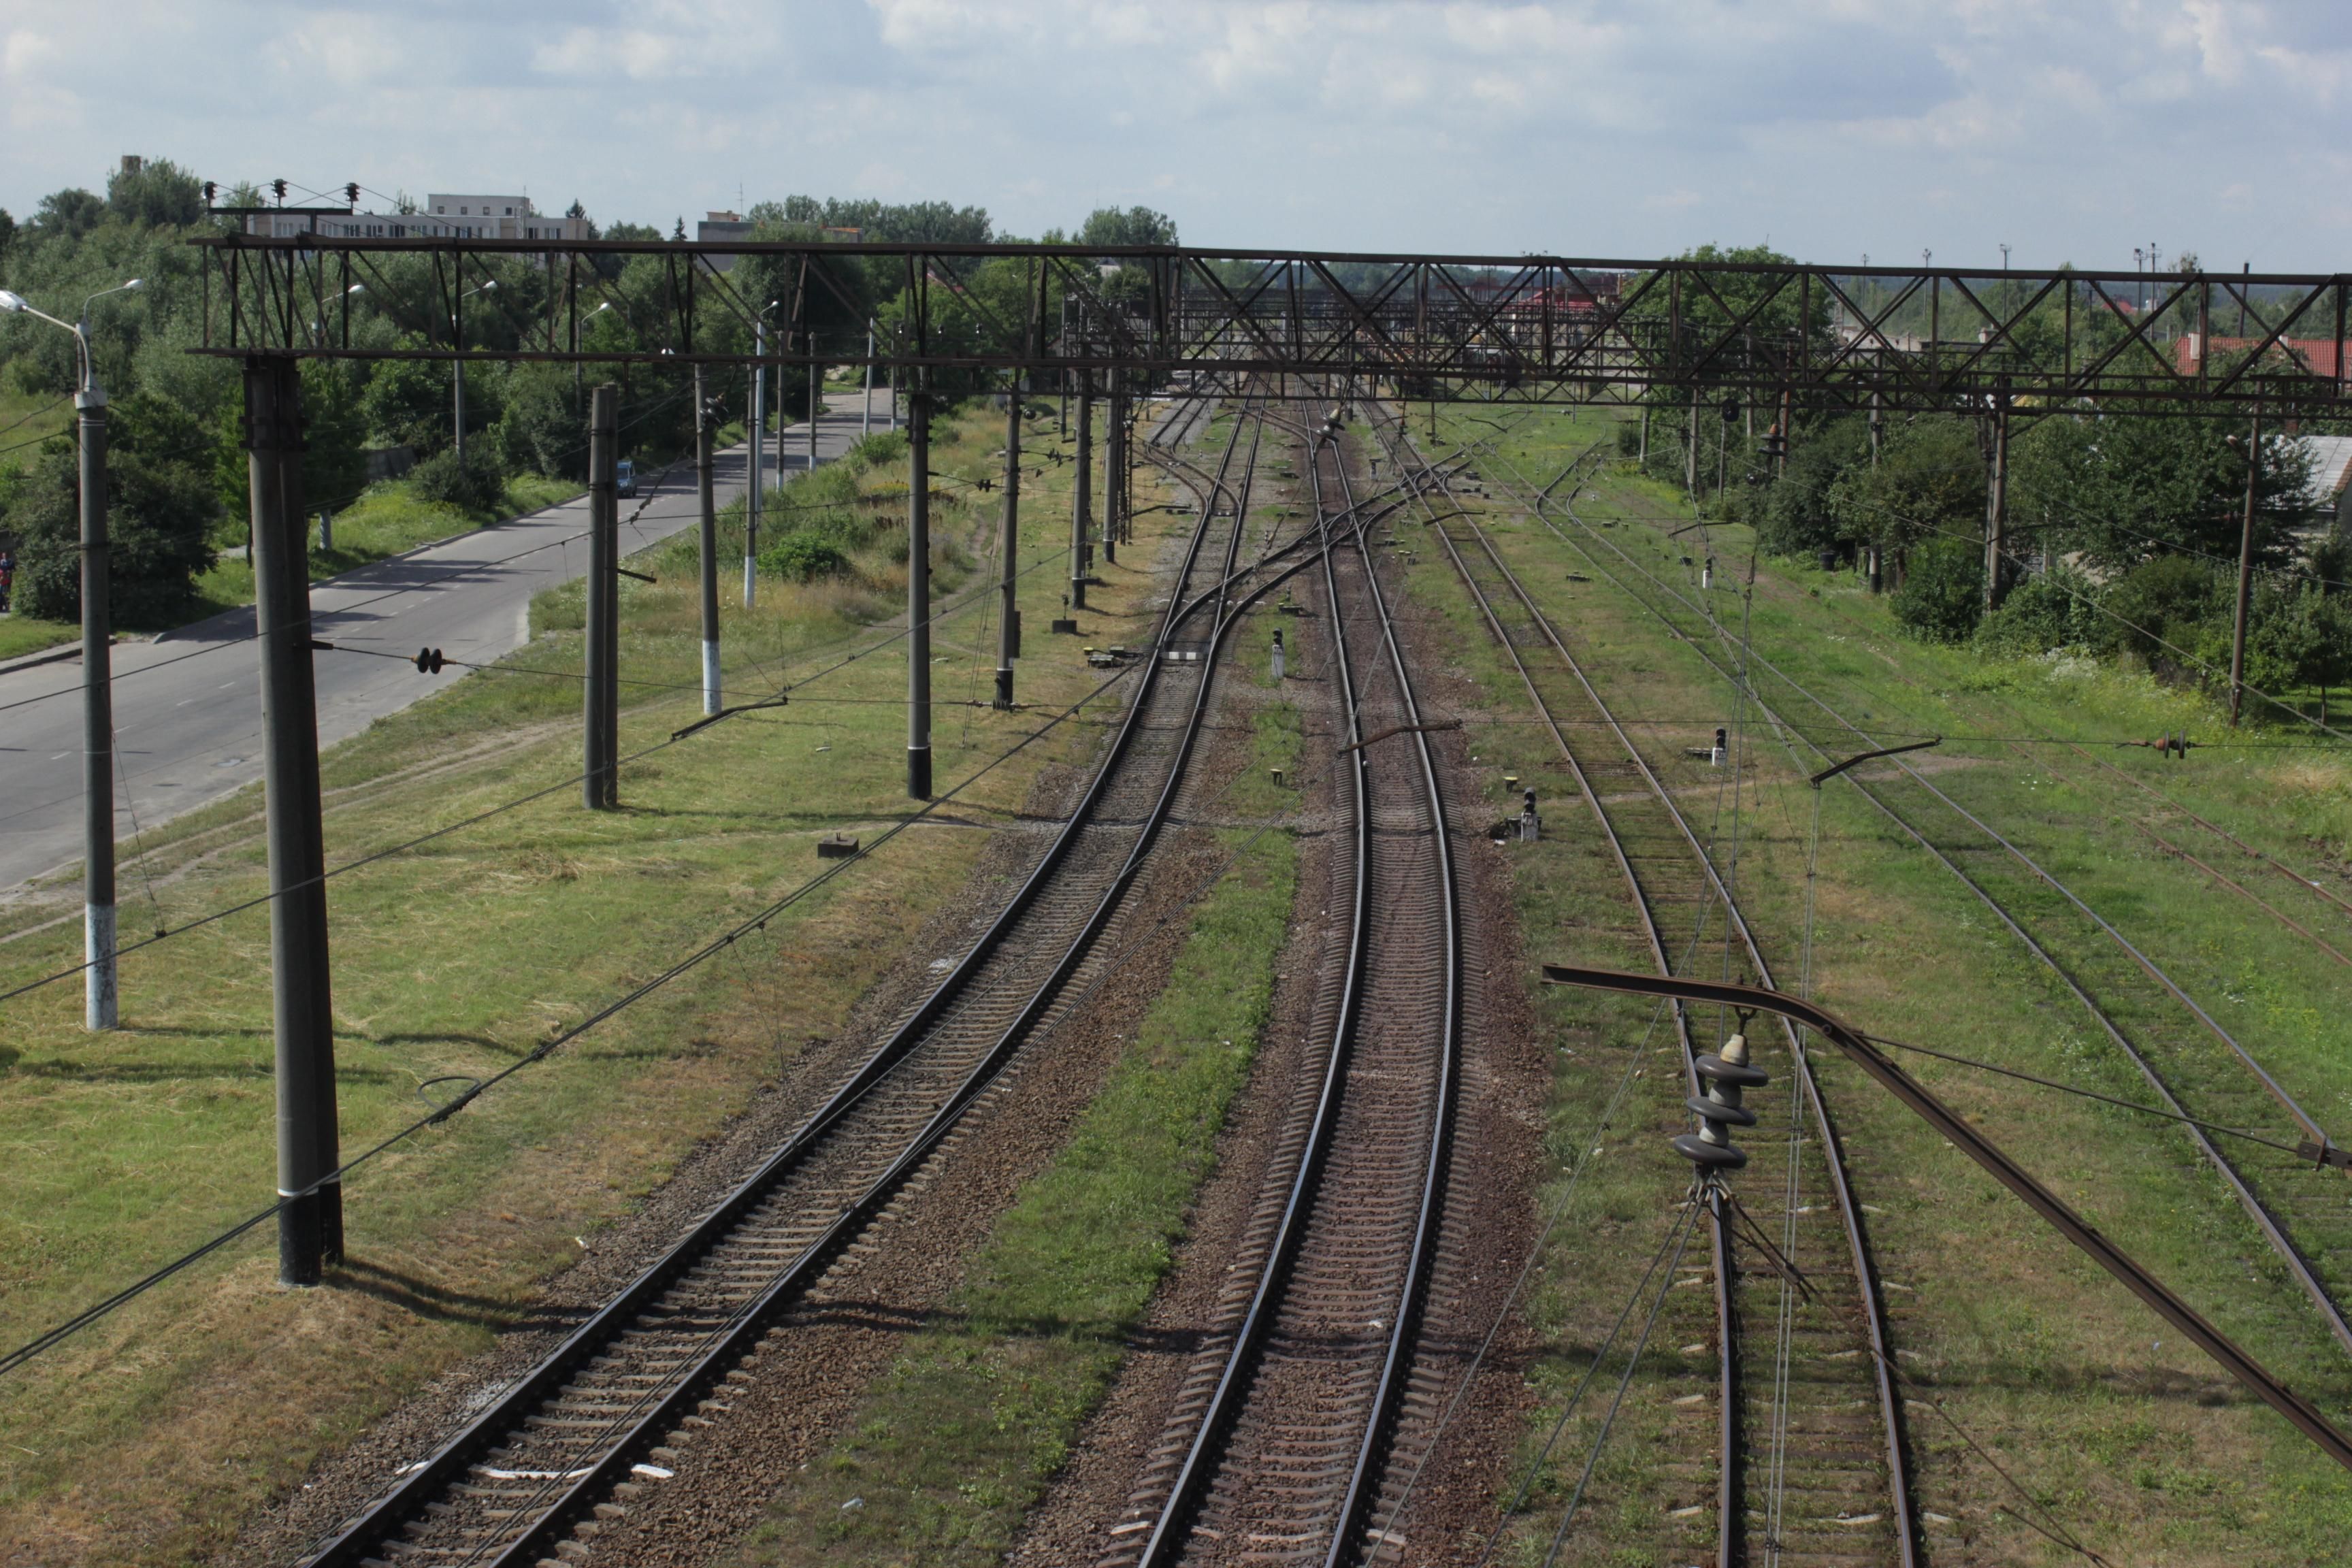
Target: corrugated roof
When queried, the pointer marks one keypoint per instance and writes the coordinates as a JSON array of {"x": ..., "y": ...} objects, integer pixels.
[{"x": 2331, "y": 466}]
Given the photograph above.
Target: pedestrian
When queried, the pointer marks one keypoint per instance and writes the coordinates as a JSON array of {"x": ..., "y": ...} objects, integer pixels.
[{"x": 7, "y": 578}]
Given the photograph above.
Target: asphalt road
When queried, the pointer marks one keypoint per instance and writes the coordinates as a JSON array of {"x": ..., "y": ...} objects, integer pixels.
[{"x": 187, "y": 707}]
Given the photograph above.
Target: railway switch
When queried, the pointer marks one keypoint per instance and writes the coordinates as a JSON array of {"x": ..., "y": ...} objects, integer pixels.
[{"x": 1726, "y": 1077}]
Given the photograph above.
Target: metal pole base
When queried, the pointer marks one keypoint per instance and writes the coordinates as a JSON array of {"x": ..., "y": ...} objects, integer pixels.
[
  {"x": 711, "y": 691},
  {"x": 98, "y": 979},
  {"x": 1077, "y": 593},
  {"x": 918, "y": 771},
  {"x": 1003, "y": 688},
  {"x": 300, "y": 1245}
]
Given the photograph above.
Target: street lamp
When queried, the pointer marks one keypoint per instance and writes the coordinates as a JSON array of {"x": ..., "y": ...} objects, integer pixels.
[
  {"x": 99, "y": 993},
  {"x": 759, "y": 449},
  {"x": 458, "y": 367}
]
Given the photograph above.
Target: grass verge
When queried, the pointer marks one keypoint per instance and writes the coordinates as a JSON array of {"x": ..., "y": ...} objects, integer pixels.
[
  {"x": 2147, "y": 1452},
  {"x": 147, "y": 1439}
]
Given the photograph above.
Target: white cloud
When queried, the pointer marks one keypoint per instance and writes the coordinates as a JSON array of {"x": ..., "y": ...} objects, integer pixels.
[{"x": 1583, "y": 126}]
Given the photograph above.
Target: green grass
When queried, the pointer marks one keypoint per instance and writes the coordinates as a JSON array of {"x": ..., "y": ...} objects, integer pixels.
[
  {"x": 22, "y": 635},
  {"x": 147, "y": 1439},
  {"x": 388, "y": 520},
  {"x": 978, "y": 1412},
  {"x": 2142, "y": 1447}
]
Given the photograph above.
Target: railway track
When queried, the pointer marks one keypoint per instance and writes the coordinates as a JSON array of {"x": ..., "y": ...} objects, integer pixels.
[
  {"x": 612, "y": 1407},
  {"x": 1281, "y": 1433},
  {"x": 1795, "y": 1368},
  {"x": 2166, "y": 1038}
]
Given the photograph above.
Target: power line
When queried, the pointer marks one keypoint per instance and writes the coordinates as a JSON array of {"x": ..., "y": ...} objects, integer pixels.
[{"x": 52, "y": 1337}]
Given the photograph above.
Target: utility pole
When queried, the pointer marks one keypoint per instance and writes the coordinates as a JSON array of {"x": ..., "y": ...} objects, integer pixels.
[
  {"x": 919, "y": 595},
  {"x": 753, "y": 497},
  {"x": 1997, "y": 504},
  {"x": 1113, "y": 460},
  {"x": 1008, "y": 629},
  {"x": 600, "y": 714},
  {"x": 816, "y": 401},
  {"x": 865, "y": 417},
  {"x": 310, "y": 1217},
  {"x": 2245, "y": 571},
  {"x": 1690, "y": 463},
  {"x": 706, "y": 493},
  {"x": 1082, "y": 509},
  {"x": 101, "y": 993}
]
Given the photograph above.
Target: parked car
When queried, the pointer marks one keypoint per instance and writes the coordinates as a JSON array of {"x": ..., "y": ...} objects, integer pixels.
[{"x": 624, "y": 476}]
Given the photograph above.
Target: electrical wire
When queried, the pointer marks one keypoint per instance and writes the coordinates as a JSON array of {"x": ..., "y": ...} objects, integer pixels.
[{"x": 694, "y": 959}]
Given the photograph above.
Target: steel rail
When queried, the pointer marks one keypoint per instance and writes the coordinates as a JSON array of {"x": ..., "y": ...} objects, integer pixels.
[
  {"x": 374, "y": 1526},
  {"x": 1170, "y": 1531},
  {"x": 1412, "y": 1295},
  {"x": 2298, "y": 1265},
  {"x": 2249, "y": 1374},
  {"x": 1730, "y": 1517}
]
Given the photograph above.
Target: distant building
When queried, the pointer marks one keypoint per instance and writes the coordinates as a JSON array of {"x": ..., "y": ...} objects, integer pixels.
[
  {"x": 2312, "y": 356},
  {"x": 443, "y": 217},
  {"x": 722, "y": 226},
  {"x": 2324, "y": 492}
]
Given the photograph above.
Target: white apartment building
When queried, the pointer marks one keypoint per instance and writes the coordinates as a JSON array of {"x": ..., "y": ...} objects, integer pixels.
[{"x": 443, "y": 217}]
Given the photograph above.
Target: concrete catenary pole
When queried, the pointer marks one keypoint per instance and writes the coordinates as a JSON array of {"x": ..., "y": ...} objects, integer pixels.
[
  {"x": 706, "y": 495},
  {"x": 816, "y": 402},
  {"x": 311, "y": 1220},
  {"x": 1008, "y": 629},
  {"x": 1083, "y": 506},
  {"x": 101, "y": 994},
  {"x": 601, "y": 594},
  {"x": 866, "y": 412},
  {"x": 1114, "y": 462},
  {"x": 755, "y": 496},
  {"x": 1997, "y": 504},
  {"x": 918, "y": 594},
  {"x": 2245, "y": 571}
]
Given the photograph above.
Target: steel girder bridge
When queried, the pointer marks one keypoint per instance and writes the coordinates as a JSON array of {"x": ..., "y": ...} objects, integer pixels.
[{"x": 1524, "y": 329}]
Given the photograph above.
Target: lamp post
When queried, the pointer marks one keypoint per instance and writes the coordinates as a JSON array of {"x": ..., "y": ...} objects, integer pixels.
[
  {"x": 754, "y": 496},
  {"x": 458, "y": 367},
  {"x": 99, "y": 993}
]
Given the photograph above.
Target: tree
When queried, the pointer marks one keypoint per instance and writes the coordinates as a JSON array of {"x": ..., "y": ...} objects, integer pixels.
[
  {"x": 1929, "y": 483},
  {"x": 2125, "y": 490},
  {"x": 1136, "y": 225},
  {"x": 69, "y": 214},
  {"x": 159, "y": 520},
  {"x": 157, "y": 192},
  {"x": 7, "y": 233},
  {"x": 1797, "y": 517},
  {"x": 407, "y": 405}
]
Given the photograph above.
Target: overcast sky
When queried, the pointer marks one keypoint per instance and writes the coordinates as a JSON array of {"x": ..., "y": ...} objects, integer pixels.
[{"x": 2072, "y": 129}]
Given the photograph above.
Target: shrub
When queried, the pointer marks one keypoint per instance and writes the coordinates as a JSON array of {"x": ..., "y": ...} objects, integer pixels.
[
  {"x": 1942, "y": 596},
  {"x": 2176, "y": 600},
  {"x": 2051, "y": 610},
  {"x": 159, "y": 517},
  {"x": 804, "y": 555},
  {"x": 478, "y": 483}
]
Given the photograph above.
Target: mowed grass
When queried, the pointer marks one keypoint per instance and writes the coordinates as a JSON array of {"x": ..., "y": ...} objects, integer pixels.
[
  {"x": 2120, "y": 1431},
  {"x": 977, "y": 1415},
  {"x": 147, "y": 1439},
  {"x": 978, "y": 1412},
  {"x": 388, "y": 520}
]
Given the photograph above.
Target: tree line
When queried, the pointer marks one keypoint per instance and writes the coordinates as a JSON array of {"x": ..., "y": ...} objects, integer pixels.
[
  {"x": 2123, "y": 530},
  {"x": 177, "y": 465}
]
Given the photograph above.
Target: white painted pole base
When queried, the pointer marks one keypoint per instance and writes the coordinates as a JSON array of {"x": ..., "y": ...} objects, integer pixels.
[
  {"x": 98, "y": 980},
  {"x": 709, "y": 678}
]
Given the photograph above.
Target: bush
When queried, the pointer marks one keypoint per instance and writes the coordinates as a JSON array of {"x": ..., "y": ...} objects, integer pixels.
[
  {"x": 2051, "y": 610},
  {"x": 159, "y": 517},
  {"x": 1942, "y": 596},
  {"x": 804, "y": 555},
  {"x": 476, "y": 483},
  {"x": 2176, "y": 600}
]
